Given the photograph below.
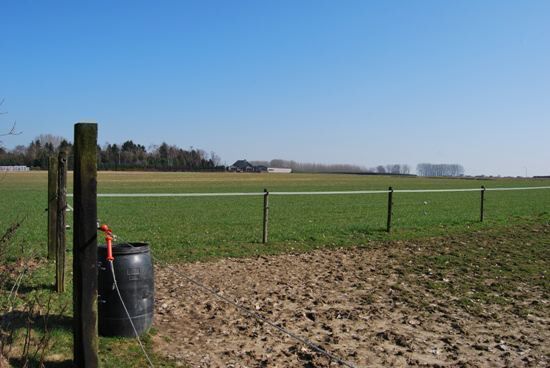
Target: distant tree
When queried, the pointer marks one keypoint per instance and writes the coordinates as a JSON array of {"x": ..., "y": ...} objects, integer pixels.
[
  {"x": 216, "y": 160},
  {"x": 10, "y": 131},
  {"x": 427, "y": 169},
  {"x": 380, "y": 169},
  {"x": 310, "y": 167},
  {"x": 125, "y": 156},
  {"x": 50, "y": 139}
]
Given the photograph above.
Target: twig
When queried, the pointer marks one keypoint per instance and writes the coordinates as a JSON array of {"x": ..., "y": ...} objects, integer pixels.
[{"x": 12, "y": 131}]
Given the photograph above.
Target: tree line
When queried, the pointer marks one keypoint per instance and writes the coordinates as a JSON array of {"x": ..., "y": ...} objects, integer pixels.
[
  {"x": 165, "y": 157},
  {"x": 125, "y": 156},
  {"x": 426, "y": 169},
  {"x": 310, "y": 167},
  {"x": 401, "y": 169},
  {"x": 396, "y": 169}
]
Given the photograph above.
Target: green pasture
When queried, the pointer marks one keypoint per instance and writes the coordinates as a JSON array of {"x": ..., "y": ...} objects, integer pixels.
[
  {"x": 200, "y": 228},
  {"x": 192, "y": 228}
]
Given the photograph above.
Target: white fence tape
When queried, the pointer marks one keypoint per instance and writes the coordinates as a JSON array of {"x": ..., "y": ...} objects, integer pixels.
[
  {"x": 135, "y": 195},
  {"x": 331, "y": 193},
  {"x": 520, "y": 188},
  {"x": 436, "y": 190}
]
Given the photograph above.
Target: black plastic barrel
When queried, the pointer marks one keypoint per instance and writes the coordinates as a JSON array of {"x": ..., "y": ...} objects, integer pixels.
[{"x": 135, "y": 278}]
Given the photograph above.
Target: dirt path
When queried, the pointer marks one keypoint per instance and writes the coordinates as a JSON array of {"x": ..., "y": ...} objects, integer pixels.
[{"x": 359, "y": 304}]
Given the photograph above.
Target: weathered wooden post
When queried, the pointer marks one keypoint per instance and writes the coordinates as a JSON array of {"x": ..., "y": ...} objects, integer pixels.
[
  {"x": 390, "y": 205},
  {"x": 61, "y": 210},
  {"x": 266, "y": 216},
  {"x": 481, "y": 214},
  {"x": 52, "y": 206},
  {"x": 85, "y": 247}
]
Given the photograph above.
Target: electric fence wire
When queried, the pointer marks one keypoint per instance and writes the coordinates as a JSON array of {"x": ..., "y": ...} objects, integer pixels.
[
  {"x": 349, "y": 192},
  {"x": 242, "y": 309},
  {"x": 128, "y": 315},
  {"x": 248, "y": 312}
]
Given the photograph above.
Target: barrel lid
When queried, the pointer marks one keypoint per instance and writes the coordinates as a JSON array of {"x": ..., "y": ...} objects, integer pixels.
[{"x": 126, "y": 248}]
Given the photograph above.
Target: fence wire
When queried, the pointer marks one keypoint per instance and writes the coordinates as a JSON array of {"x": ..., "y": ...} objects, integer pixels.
[
  {"x": 343, "y": 192},
  {"x": 249, "y": 313}
]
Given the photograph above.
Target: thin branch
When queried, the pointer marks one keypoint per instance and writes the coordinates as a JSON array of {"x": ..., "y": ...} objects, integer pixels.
[{"x": 12, "y": 131}]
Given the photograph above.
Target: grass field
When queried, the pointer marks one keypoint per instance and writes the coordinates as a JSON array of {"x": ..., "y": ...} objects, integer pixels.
[
  {"x": 209, "y": 227},
  {"x": 189, "y": 229}
]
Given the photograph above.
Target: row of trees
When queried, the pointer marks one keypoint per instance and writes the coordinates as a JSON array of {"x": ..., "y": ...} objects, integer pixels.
[
  {"x": 400, "y": 169},
  {"x": 310, "y": 167},
  {"x": 423, "y": 169},
  {"x": 35, "y": 154},
  {"x": 126, "y": 156},
  {"x": 164, "y": 157},
  {"x": 426, "y": 169}
]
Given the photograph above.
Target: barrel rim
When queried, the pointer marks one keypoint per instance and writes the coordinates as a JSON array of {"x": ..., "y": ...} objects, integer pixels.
[{"x": 127, "y": 248}]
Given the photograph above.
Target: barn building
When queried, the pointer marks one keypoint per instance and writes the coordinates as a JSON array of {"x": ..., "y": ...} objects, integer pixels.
[
  {"x": 241, "y": 166},
  {"x": 245, "y": 166}
]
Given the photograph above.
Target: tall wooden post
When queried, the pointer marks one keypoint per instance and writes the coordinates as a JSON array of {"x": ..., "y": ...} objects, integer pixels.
[
  {"x": 85, "y": 246},
  {"x": 266, "y": 216},
  {"x": 52, "y": 206},
  {"x": 61, "y": 210},
  {"x": 390, "y": 205},
  {"x": 481, "y": 214}
]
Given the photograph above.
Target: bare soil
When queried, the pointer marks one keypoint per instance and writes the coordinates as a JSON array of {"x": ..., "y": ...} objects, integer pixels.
[{"x": 362, "y": 304}]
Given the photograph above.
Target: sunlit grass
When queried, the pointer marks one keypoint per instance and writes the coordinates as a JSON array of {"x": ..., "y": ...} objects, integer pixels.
[
  {"x": 205, "y": 227},
  {"x": 188, "y": 229}
]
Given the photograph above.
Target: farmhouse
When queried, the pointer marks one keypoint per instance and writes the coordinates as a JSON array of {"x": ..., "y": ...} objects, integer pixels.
[
  {"x": 242, "y": 166},
  {"x": 245, "y": 166}
]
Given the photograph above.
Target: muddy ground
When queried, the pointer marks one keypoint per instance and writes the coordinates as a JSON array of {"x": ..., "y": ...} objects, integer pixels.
[{"x": 363, "y": 304}]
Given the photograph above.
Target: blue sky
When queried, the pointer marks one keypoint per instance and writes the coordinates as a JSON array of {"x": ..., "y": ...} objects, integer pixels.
[{"x": 359, "y": 82}]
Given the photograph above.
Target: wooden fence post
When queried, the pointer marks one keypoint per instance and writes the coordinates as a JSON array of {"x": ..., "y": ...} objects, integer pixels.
[
  {"x": 390, "y": 205},
  {"x": 266, "y": 216},
  {"x": 481, "y": 214},
  {"x": 85, "y": 247},
  {"x": 61, "y": 210},
  {"x": 52, "y": 206}
]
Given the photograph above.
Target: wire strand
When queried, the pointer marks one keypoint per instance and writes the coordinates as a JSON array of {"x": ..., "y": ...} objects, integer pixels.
[
  {"x": 128, "y": 314},
  {"x": 259, "y": 317},
  {"x": 231, "y": 194}
]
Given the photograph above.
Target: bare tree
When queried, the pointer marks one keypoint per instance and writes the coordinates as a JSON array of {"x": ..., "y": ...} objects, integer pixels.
[
  {"x": 13, "y": 129},
  {"x": 312, "y": 166},
  {"x": 426, "y": 169},
  {"x": 216, "y": 160},
  {"x": 54, "y": 140}
]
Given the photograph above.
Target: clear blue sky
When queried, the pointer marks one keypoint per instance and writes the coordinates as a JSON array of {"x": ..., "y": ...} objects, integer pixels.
[{"x": 359, "y": 82}]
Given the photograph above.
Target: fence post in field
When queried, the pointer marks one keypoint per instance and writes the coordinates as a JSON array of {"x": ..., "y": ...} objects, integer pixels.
[
  {"x": 390, "y": 204},
  {"x": 61, "y": 210},
  {"x": 52, "y": 206},
  {"x": 266, "y": 216},
  {"x": 481, "y": 214},
  {"x": 85, "y": 247}
]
